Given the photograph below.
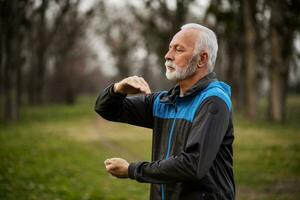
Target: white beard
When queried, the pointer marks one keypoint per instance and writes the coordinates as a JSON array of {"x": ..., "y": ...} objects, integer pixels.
[{"x": 178, "y": 73}]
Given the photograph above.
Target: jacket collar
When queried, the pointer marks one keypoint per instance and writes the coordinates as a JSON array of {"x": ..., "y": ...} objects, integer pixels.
[{"x": 174, "y": 93}]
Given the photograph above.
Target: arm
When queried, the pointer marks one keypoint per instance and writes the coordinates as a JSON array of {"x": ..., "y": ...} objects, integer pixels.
[
  {"x": 113, "y": 104},
  {"x": 203, "y": 144}
]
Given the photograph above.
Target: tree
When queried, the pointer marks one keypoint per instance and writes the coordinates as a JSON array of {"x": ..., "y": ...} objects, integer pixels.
[
  {"x": 28, "y": 36},
  {"x": 69, "y": 53},
  {"x": 12, "y": 20},
  {"x": 250, "y": 62},
  {"x": 229, "y": 26},
  {"x": 121, "y": 36},
  {"x": 284, "y": 23},
  {"x": 159, "y": 23},
  {"x": 43, "y": 32}
]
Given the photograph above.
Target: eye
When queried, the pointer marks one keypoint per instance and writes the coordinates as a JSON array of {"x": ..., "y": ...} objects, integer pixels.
[{"x": 179, "y": 49}]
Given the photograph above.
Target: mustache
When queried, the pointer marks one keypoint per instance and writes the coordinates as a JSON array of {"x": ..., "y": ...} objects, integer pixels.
[{"x": 170, "y": 64}]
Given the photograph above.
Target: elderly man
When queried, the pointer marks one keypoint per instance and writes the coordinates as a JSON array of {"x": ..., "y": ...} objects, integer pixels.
[{"x": 192, "y": 156}]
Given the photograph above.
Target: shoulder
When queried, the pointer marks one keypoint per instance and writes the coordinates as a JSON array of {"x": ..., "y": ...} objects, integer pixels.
[
  {"x": 217, "y": 91},
  {"x": 214, "y": 105}
]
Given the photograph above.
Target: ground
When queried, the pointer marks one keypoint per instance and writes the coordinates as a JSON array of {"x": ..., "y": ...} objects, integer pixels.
[{"x": 57, "y": 152}]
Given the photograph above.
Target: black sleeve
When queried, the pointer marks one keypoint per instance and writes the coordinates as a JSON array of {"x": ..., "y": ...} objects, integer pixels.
[
  {"x": 135, "y": 110},
  {"x": 207, "y": 133}
]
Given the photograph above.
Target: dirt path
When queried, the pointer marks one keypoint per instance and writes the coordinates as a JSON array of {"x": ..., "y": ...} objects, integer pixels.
[{"x": 109, "y": 135}]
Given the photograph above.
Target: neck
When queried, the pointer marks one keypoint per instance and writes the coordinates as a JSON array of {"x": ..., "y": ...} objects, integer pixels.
[{"x": 186, "y": 84}]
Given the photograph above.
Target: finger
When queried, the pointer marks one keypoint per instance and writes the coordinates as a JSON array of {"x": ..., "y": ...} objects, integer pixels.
[
  {"x": 140, "y": 81},
  {"x": 114, "y": 159},
  {"x": 145, "y": 84},
  {"x": 141, "y": 84},
  {"x": 110, "y": 168},
  {"x": 133, "y": 82},
  {"x": 137, "y": 85},
  {"x": 137, "y": 81},
  {"x": 144, "y": 88},
  {"x": 107, "y": 161}
]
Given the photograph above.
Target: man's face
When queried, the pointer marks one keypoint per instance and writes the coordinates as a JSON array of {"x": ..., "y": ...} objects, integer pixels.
[{"x": 181, "y": 62}]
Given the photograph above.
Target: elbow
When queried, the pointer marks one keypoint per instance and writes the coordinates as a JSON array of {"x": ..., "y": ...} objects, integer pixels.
[
  {"x": 100, "y": 109},
  {"x": 201, "y": 172},
  {"x": 106, "y": 113},
  {"x": 102, "y": 112}
]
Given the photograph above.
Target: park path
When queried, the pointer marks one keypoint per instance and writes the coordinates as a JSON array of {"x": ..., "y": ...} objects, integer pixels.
[{"x": 120, "y": 140}]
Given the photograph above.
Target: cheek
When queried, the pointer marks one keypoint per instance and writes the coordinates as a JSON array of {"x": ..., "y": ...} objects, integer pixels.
[{"x": 183, "y": 61}]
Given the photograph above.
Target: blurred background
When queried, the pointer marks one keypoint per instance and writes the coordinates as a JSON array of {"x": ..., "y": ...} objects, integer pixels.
[{"x": 56, "y": 56}]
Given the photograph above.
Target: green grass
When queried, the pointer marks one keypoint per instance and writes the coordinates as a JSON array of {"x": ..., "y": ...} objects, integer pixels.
[
  {"x": 267, "y": 160},
  {"x": 57, "y": 152}
]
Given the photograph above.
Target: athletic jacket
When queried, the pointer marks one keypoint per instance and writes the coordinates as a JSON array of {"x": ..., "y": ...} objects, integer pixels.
[{"x": 192, "y": 156}]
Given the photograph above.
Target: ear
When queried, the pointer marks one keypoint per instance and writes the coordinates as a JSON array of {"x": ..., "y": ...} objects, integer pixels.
[{"x": 203, "y": 59}]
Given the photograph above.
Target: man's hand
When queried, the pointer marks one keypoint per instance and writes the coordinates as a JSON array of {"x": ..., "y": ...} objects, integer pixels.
[
  {"x": 117, "y": 167},
  {"x": 132, "y": 85}
]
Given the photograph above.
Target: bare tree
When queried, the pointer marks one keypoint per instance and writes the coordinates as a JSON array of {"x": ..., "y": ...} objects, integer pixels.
[
  {"x": 159, "y": 23},
  {"x": 27, "y": 36},
  {"x": 120, "y": 35},
  {"x": 43, "y": 34},
  {"x": 69, "y": 53}
]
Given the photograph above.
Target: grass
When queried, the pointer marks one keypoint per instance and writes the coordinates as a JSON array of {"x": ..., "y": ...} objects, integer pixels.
[{"x": 57, "y": 152}]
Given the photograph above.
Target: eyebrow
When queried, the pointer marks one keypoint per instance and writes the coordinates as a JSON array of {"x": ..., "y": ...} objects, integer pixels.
[{"x": 177, "y": 45}]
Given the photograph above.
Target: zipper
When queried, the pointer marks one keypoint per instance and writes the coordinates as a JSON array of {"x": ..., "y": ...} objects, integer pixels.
[
  {"x": 170, "y": 139},
  {"x": 162, "y": 186}
]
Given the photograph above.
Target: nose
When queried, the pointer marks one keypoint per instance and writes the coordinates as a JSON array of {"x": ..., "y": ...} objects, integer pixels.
[{"x": 169, "y": 55}]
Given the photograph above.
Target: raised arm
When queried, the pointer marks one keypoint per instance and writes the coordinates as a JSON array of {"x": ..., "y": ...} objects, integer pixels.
[{"x": 113, "y": 104}]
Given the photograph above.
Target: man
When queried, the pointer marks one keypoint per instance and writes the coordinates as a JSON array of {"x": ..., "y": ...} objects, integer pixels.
[{"x": 192, "y": 126}]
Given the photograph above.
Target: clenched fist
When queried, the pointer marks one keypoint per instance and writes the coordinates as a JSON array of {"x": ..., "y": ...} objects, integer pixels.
[
  {"x": 117, "y": 167},
  {"x": 132, "y": 85}
]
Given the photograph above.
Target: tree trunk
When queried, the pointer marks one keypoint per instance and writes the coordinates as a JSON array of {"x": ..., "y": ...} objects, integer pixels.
[
  {"x": 41, "y": 54},
  {"x": 278, "y": 68},
  {"x": 38, "y": 59},
  {"x": 233, "y": 76},
  {"x": 31, "y": 94},
  {"x": 250, "y": 61},
  {"x": 10, "y": 24},
  {"x": 40, "y": 80},
  {"x": 1, "y": 61},
  {"x": 10, "y": 109}
]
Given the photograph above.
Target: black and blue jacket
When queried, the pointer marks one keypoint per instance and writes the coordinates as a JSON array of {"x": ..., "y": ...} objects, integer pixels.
[{"x": 192, "y": 156}]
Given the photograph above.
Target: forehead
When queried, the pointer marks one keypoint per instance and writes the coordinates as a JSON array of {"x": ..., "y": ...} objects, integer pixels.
[{"x": 186, "y": 38}]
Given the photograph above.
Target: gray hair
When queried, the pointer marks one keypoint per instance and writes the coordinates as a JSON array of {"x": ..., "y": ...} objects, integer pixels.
[{"x": 207, "y": 39}]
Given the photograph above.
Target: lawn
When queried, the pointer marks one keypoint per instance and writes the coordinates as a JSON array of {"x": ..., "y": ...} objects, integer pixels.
[{"x": 57, "y": 152}]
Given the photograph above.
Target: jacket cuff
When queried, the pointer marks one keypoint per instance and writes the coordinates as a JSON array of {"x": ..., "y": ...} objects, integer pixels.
[
  {"x": 131, "y": 169},
  {"x": 112, "y": 93}
]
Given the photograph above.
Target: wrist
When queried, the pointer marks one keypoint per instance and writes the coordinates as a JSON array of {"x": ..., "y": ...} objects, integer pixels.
[
  {"x": 131, "y": 169},
  {"x": 112, "y": 93},
  {"x": 116, "y": 89}
]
